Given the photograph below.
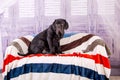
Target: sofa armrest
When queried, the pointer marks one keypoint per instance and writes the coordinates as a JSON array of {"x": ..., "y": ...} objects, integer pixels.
[{"x": 19, "y": 45}]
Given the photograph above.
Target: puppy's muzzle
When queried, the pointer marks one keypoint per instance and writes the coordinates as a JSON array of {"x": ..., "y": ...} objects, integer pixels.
[{"x": 60, "y": 35}]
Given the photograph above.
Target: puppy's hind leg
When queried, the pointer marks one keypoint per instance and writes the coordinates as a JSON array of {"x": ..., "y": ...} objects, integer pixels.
[
  {"x": 37, "y": 47},
  {"x": 46, "y": 51},
  {"x": 40, "y": 47}
]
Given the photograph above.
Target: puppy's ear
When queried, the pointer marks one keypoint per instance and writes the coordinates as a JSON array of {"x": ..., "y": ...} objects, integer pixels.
[
  {"x": 54, "y": 22},
  {"x": 66, "y": 25},
  {"x": 54, "y": 26}
]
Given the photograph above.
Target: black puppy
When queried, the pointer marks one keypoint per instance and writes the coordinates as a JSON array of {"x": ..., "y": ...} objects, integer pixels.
[{"x": 48, "y": 40}]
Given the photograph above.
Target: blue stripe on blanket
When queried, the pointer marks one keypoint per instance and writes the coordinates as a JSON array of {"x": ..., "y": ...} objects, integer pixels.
[
  {"x": 55, "y": 68},
  {"x": 69, "y": 34}
]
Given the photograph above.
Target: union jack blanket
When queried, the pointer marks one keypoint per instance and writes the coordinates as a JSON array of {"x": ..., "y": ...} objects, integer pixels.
[{"x": 85, "y": 58}]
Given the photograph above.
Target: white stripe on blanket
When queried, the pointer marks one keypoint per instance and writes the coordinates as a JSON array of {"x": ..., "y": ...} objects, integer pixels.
[
  {"x": 29, "y": 37},
  {"x": 49, "y": 76},
  {"x": 24, "y": 46},
  {"x": 97, "y": 50},
  {"x": 102, "y": 70},
  {"x": 12, "y": 50},
  {"x": 72, "y": 38}
]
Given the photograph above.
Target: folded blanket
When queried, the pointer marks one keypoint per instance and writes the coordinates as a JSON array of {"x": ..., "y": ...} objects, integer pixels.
[
  {"x": 84, "y": 43},
  {"x": 85, "y": 57}
]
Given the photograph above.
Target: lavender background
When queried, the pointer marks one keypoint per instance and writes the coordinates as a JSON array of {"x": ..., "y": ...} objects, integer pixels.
[{"x": 15, "y": 27}]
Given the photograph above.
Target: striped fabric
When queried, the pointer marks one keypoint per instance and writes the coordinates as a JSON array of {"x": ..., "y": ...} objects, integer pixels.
[
  {"x": 22, "y": 44},
  {"x": 85, "y": 58}
]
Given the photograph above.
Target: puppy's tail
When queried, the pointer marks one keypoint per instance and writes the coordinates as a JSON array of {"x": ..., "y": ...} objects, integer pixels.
[{"x": 23, "y": 54}]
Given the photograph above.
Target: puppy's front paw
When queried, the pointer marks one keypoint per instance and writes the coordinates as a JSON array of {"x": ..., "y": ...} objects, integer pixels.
[{"x": 59, "y": 51}]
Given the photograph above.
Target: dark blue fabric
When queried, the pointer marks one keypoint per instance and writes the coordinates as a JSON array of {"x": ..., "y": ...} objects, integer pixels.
[
  {"x": 55, "y": 68},
  {"x": 68, "y": 34}
]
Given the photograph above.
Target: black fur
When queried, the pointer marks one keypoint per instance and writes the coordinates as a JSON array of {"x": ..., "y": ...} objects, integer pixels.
[{"x": 48, "y": 40}]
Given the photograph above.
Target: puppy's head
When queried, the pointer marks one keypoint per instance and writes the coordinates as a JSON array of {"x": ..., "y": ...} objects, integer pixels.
[{"x": 59, "y": 25}]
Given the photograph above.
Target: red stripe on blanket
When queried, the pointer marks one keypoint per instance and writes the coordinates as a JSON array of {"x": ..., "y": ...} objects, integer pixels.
[{"x": 99, "y": 59}]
